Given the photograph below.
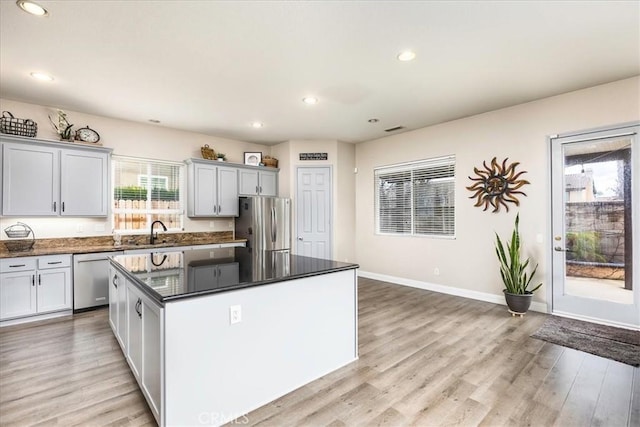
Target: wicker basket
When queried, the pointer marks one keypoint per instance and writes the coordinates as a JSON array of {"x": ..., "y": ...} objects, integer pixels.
[
  {"x": 208, "y": 153},
  {"x": 21, "y": 127},
  {"x": 19, "y": 245},
  {"x": 270, "y": 162},
  {"x": 19, "y": 231}
]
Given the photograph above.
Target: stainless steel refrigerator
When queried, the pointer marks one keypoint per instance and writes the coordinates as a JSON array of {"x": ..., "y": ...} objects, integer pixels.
[{"x": 265, "y": 222}]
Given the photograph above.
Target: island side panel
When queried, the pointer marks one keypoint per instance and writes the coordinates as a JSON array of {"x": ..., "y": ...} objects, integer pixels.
[{"x": 291, "y": 333}]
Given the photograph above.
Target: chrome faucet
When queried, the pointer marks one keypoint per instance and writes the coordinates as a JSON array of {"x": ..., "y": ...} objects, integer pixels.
[{"x": 153, "y": 237}]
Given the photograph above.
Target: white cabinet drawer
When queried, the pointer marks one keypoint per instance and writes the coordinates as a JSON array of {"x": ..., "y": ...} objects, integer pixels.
[
  {"x": 17, "y": 264},
  {"x": 54, "y": 261}
]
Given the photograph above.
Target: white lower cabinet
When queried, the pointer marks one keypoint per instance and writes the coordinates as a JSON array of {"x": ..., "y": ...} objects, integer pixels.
[
  {"x": 31, "y": 286},
  {"x": 17, "y": 294},
  {"x": 152, "y": 354},
  {"x": 118, "y": 307},
  {"x": 138, "y": 326},
  {"x": 134, "y": 313}
]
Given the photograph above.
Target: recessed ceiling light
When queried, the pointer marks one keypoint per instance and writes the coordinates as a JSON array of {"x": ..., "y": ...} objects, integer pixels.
[
  {"x": 257, "y": 125},
  {"x": 311, "y": 100},
  {"x": 407, "y": 55},
  {"x": 373, "y": 120},
  {"x": 32, "y": 8},
  {"x": 154, "y": 121},
  {"x": 42, "y": 76}
]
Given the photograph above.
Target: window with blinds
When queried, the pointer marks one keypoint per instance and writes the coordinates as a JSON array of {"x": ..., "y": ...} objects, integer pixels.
[
  {"x": 145, "y": 191},
  {"x": 416, "y": 198}
]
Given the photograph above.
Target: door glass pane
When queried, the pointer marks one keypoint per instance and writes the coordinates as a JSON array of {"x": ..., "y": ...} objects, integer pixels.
[{"x": 597, "y": 180}]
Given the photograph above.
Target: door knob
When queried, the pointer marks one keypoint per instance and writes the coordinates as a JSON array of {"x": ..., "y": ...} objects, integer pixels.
[
  {"x": 559, "y": 249},
  {"x": 300, "y": 238}
]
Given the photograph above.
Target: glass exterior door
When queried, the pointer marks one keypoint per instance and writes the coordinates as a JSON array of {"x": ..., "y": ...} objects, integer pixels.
[{"x": 595, "y": 186}]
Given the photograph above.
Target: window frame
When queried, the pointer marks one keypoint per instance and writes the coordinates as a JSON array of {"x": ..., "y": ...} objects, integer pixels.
[
  {"x": 412, "y": 168},
  {"x": 148, "y": 212}
]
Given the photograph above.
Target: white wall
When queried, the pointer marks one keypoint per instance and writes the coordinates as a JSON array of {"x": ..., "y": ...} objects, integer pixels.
[
  {"x": 519, "y": 133},
  {"x": 127, "y": 139}
]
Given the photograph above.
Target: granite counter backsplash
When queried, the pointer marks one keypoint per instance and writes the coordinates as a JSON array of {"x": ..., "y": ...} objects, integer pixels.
[{"x": 78, "y": 245}]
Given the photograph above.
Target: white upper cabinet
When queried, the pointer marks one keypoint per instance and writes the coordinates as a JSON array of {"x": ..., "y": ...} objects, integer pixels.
[
  {"x": 227, "y": 191},
  {"x": 84, "y": 187},
  {"x": 212, "y": 190},
  {"x": 31, "y": 180},
  {"x": 258, "y": 182},
  {"x": 51, "y": 179}
]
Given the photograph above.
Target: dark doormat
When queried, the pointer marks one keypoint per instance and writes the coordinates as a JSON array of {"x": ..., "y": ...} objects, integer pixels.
[{"x": 618, "y": 344}]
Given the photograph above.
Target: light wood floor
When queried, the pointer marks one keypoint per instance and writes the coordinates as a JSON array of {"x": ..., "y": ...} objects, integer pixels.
[{"x": 426, "y": 359}]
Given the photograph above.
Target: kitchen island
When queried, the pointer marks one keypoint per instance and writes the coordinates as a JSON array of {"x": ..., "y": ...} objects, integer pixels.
[{"x": 213, "y": 334}]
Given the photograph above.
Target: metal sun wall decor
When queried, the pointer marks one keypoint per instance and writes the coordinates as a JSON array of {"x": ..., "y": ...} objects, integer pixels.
[{"x": 497, "y": 185}]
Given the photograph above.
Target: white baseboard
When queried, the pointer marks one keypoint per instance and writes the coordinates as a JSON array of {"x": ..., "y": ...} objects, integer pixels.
[
  {"x": 35, "y": 318},
  {"x": 450, "y": 290}
]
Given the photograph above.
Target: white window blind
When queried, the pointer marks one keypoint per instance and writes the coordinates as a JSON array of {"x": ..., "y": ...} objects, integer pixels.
[
  {"x": 416, "y": 198},
  {"x": 145, "y": 191}
]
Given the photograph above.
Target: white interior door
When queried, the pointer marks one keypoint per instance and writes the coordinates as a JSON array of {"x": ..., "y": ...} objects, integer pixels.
[
  {"x": 313, "y": 212},
  {"x": 595, "y": 191}
]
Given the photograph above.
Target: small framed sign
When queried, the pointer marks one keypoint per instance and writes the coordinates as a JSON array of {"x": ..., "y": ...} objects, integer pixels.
[
  {"x": 313, "y": 156},
  {"x": 253, "y": 158}
]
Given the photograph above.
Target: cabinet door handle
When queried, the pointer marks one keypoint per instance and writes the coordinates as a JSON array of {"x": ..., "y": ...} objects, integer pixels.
[
  {"x": 55, "y": 207},
  {"x": 219, "y": 209},
  {"x": 62, "y": 206},
  {"x": 39, "y": 279},
  {"x": 115, "y": 280},
  {"x": 257, "y": 191},
  {"x": 261, "y": 189},
  {"x": 138, "y": 308},
  {"x": 33, "y": 280}
]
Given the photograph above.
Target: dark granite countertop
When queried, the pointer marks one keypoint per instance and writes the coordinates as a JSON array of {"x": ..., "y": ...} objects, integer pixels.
[{"x": 171, "y": 276}]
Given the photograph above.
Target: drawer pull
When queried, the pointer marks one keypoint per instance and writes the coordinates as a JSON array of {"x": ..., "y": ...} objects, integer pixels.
[
  {"x": 54, "y": 262},
  {"x": 16, "y": 265}
]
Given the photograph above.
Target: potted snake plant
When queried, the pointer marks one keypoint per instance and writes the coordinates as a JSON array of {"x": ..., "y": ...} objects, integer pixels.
[{"x": 514, "y": 272}]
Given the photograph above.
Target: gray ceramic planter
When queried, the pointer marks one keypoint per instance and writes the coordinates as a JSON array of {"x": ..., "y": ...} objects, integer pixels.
[{"x": 518, "y": 303}]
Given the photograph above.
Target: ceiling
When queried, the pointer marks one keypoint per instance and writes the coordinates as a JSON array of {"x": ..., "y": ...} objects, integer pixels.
[{"x": 216, "y": 67}]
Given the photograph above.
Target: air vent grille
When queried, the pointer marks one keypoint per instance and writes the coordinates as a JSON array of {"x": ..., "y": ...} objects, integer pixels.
[{"x": 394, "y": 129}]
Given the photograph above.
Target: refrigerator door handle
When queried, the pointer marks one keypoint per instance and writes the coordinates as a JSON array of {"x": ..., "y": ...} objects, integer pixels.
[{"x": 274, "y": 225}]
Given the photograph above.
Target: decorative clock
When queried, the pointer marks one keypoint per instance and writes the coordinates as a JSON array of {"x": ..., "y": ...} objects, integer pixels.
[{"x": 86, "y": 134}]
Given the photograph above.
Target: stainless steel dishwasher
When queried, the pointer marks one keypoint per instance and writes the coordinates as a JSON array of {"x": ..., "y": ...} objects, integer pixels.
[{"x": 91, "y": 280}]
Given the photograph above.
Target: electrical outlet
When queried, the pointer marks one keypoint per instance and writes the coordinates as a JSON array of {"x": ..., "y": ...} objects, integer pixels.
[
  {"x": 436, "y": 271},
  {"x": 235, "y": 314},
  {"x": 230, "y": 224},
  {"x": 212, "y": 224},
  {"x": 79, "y": 228}
]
